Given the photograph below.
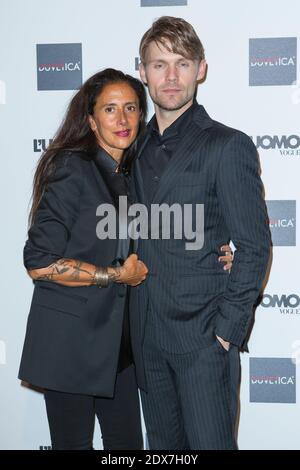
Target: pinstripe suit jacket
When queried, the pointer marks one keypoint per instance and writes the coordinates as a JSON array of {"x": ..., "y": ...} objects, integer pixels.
[{"x": 190, "y": 297}]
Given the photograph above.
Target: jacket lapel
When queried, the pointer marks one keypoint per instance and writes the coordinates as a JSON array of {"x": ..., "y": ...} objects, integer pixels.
[
  {"x": 137, "y": 174},
  {"x": 116, "y": 186}
]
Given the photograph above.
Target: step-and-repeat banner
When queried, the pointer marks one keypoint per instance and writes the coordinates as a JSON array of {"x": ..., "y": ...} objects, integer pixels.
[{"x": 47, "y": 49}]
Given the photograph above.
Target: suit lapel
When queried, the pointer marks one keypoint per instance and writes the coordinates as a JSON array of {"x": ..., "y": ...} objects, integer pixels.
[
  {"x": 138, "y": 178},
  {"x": 143, "y": 139}
]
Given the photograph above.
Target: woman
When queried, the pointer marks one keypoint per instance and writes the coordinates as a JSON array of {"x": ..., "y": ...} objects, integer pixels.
[
  {"x": 77, "y": 344},
  {"x": 72, "y": 346}
]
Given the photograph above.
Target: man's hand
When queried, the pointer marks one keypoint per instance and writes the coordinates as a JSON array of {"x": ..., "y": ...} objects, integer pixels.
[
  {"x": 227, "y": 258},
  {"x": 225, "y": 344}
]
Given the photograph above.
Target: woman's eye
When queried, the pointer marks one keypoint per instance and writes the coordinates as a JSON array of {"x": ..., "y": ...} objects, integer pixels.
[
  {"x": 109, "y": 109},
  {"x": 131, "y": 108}
]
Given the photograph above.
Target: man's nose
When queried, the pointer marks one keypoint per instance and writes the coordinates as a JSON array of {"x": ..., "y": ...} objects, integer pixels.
[{"x": 172, "y": 73}]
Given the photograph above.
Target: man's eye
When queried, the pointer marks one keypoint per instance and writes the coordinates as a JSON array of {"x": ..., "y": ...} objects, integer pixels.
[
  {"x": 184, "y": 64},
  {"x": 131, "y": 108},
  {"x": 109, "y": 109},
  {"x": 158, "y": 66}
]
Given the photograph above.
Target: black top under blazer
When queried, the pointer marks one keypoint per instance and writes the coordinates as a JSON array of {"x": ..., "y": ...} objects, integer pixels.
[
  {"x": 73, "y": 333},
  {"x": 187, "y": 297}
]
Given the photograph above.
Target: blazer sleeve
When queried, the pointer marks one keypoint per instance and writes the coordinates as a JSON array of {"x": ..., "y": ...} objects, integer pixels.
[
  {"x": 240, "y": 194},
  {"x": 56, "y": 214}
]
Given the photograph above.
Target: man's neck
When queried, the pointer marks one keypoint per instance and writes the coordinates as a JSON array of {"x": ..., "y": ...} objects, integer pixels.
[{"x": 166, "y": 118}]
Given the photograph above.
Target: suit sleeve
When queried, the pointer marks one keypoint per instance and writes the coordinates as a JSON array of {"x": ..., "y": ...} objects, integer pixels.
[
  {"x": 240, "y": 195},
  {"x": 56, "y": 215}
]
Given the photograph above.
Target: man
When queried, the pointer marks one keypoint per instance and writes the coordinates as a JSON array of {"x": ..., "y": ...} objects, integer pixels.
[{"x": 191, "y": 316}]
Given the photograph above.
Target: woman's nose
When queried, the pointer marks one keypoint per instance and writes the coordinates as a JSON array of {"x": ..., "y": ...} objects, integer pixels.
[{"x": 122, "y": 118}]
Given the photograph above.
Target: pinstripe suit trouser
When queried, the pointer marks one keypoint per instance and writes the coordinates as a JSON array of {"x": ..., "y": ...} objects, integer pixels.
[{"x": 192, "y": 399}]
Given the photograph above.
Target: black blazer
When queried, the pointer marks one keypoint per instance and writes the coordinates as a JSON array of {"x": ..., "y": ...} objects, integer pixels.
[
  {"x": 190, "y": 296},
  {"x": 73, "y": 333}
]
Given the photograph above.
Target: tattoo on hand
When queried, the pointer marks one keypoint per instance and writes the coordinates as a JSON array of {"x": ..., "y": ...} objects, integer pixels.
[
  {"x": 114, "y": 275},
  {"x": 72, "y": 267}
]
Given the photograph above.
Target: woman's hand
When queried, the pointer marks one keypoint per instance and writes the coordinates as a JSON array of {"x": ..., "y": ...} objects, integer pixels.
[
  {"x": 227, "y": 258},
  {"x": 133, "y": 271}
]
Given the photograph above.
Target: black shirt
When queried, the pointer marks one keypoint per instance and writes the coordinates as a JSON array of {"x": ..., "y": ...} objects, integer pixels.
[
  {"x": 118, "y": 185},
  {"x": 159, "y": 149}
]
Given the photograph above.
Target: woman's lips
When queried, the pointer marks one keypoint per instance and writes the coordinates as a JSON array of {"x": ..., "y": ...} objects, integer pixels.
[{"x": 124, "y": 133}]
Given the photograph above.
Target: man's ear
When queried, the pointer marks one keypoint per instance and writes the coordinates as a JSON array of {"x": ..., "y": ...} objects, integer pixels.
[
  {"x": 142, "y": 71},
  {"x": 202, "y": 70},
  {"x": 92, "y": 123}
]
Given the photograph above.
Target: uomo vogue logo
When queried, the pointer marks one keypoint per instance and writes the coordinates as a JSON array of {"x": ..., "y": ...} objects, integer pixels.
[
  {"x": 287, "y": 145},
  {"x": 272, "y": 380},
  {"x": 288, "y": 304},
  {"x": 59, "y": 66},
  {"x": 272, "y": 61},
  {"x": 282, "y": 221},
  {"x": 162, "y": 3}
]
